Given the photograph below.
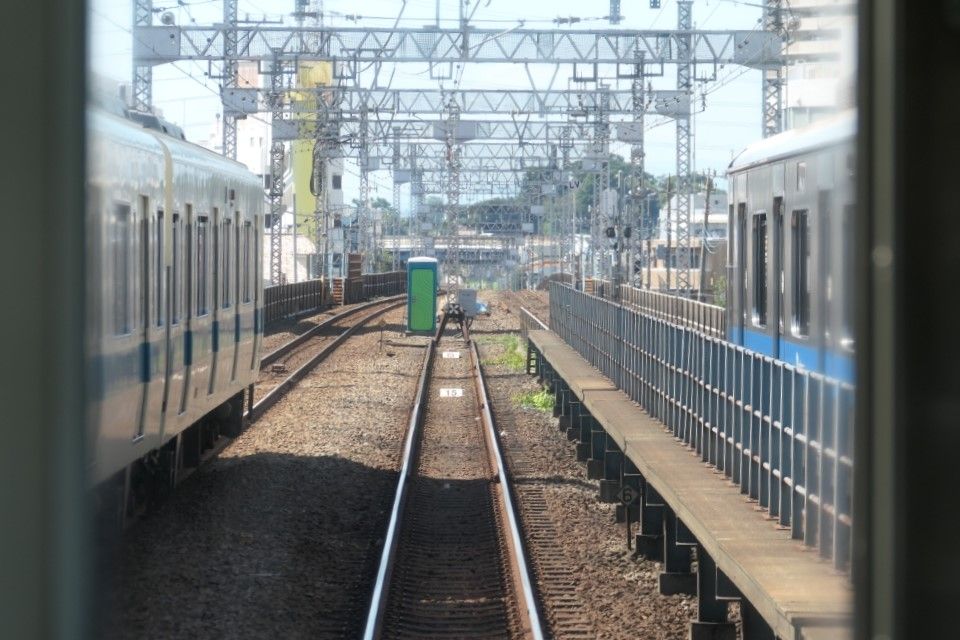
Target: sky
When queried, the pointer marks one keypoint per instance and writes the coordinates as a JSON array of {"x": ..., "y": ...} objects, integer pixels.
[{"x": 730, "y": 121}]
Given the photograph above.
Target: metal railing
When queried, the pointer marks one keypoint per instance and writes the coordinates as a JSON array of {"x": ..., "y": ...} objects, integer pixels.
[
  {"x": 784, "y": 435},
  {"x": 707, "y": 318},
  {"x": 529, "y": 322},
  {"x": 378, "y": 285},
  {"x": 285, "y": 300}
]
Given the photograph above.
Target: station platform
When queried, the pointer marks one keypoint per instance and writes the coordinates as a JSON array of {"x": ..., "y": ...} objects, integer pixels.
[{"x": 785, "y": 590}]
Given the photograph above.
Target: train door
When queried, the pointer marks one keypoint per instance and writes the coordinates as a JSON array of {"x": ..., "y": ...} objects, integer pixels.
[
  {"x": 777, "y": 322},
  {"x": 257, "y": 285},
  {"x": 189, "y": 271},
  {"x": 157, "y": 332},
  {"x": 230, "y": 326},
  {"x": 143, "y": 268},
  {"x": 237, "y": 291},
  {"x": 216, "y": 315},
  {"x": 175, "y": 363}
]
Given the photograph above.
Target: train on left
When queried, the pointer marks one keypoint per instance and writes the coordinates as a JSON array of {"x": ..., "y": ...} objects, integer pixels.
[{"x": 175, "y": 303}]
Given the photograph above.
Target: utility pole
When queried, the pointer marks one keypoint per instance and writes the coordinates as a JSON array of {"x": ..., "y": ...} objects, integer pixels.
[
  {"x": 276, "y": 171},
  {"x": 773, "y": 77},
  {"x": 669, "y": 256},
  {"x": 703, "y": 239},
  {"x": 229, "y": 81},
  {"x": 142, "y": 73},
  {"x": 684, "y": 143},
  {"x": 453, "y": 201},
  {"x": 637, "y": 156}
]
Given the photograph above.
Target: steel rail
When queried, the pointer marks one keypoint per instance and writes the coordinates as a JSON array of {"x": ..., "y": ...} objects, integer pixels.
[
  {"x": 287, "y": 347},
  {"x": 278, "y": 392},
  {"x": 520, "y": 565},
  {"x": 378, "y": 603},
  {"x": 533, "y": 626}
]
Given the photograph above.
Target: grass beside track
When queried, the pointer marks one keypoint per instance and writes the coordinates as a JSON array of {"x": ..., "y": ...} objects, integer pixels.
[
  {"x": 513, "y": 356},
  {"x": 541, "y": 400}
]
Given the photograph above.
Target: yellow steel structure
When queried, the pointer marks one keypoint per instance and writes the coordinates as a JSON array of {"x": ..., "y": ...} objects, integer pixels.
[{"x": 310, "y": 76}]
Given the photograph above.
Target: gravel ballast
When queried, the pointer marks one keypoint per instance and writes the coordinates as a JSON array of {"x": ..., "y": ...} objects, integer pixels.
[{"x": 278, "y": 537}]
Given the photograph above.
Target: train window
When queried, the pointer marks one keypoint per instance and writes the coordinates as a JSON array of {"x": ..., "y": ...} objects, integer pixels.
[
  {"x": 760, "y": 269},
  {"x": 121, "y": 245},
  {"x": 158, "y": 285},
  {"x": 801, "y": 272},
  {"x": 175, "y": 269},
  {"x": 801, "y": 176},
  {"x": 202, "y": 271},
  {"x": 226, "y": 265},
  {"x": 246, "y": 262},
  {"x": 337, "y": 181}
]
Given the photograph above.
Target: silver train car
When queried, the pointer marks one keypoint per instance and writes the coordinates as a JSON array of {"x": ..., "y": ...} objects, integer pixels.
[
  {"x": 175, "y": 302},
  {"x": 789, "y": 262}
]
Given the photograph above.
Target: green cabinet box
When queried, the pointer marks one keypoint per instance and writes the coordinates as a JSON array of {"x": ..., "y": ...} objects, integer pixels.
[{"x": 422, "y": 281}]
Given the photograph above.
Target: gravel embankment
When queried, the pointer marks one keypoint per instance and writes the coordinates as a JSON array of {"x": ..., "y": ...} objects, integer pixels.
[{"x": 279, "y": 536}]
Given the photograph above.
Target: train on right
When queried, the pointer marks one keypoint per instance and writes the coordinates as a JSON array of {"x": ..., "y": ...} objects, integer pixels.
[{"x": 790, "y": 286}]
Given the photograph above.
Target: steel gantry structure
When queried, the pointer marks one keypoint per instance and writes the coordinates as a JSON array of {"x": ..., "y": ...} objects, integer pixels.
[{"x": 548, "y": 129}]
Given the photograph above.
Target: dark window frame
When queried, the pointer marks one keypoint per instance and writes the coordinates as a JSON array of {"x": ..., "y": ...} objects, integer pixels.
[
  {"x": 801, "y": 263},
  {"x": 760, "y": 257},
  {"x": 121, "y": 229}
]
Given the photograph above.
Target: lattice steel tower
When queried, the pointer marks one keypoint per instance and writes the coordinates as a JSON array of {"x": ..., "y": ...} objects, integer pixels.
[
  {"x": 684, "y": 145},
  {"x": 773, "y": 77}
]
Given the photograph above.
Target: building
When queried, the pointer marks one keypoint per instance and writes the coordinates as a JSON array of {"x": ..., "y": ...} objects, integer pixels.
[
  {"x": 822, "y": 42},
  {"x": 254, "y": 139}
]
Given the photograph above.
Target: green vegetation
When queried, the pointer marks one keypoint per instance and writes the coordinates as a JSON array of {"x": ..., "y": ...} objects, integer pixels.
[
  {"x": 720, "y": 291},
  {"x": 514, "y": 356},
  {"x": 541, "y": 400}
]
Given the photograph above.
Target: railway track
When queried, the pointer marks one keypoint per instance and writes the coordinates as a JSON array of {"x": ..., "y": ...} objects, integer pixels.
[
  {"x": 453, "y": 563},
  {"x": 298, "y": 356},
  {"x": 282, "y": 368}
]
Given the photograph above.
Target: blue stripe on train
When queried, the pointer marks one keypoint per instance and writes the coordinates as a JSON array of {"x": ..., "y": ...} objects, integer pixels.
[
  {"x": 258, "y": 321},
  {"x": 759, "y": 342},
  {"x": 836, "y": 365}
]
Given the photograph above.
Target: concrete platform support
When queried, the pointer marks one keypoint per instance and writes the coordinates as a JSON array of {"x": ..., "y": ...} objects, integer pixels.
[
  {"x": 571, "y": 414},
  {"x": 754, "y": 626},
  {"x": 630, "y": 478},
  {"x": 711, "y": 622},
  {"x": 648, "y": 541},
  {"x": 560, "y": 391},
  {"x": 612, "y": 471},
  {"x": 569, "y": 408},
  {"x": 677, "y": 576},
  {"x": 598, "y": 445},
  {"x": 584, "y": 444}
]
